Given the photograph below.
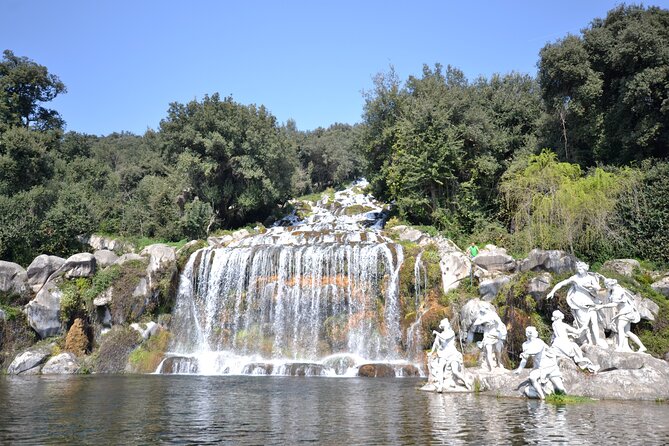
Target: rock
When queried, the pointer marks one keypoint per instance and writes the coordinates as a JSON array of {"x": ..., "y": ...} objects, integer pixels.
[
  {"x": 219, "y": 241},
  {"x": 623, "y": 267},
  {"x": 454, "y": 264},
  {"x": 63, "y": 364},
  {"x": 105, "y": 258},
  {"x": 552, "y": 261},
  {"x": 43, "y": 312},
  {"x": 98, "y": 242},
  {"x": 376, "y": 371},
  {"x": 661, "y": 286},
  {"x": 13, "y": 279},
  {"x": 495, "y": 259},
  {"x": 29, "y": 362},
  {"x": 240, "y": 234},
  {"x": 3, "y": 317},
  {"x": 489, "y": 288},
  {"x": 341, "y": 364},
  {"x": 104, "y": 298},
  {"x": 409, "y": 370},
  {"x": 41, "y": 268},
  {"x": 539, "y": 286},
  {"x": 127, "y": 258},
  {"x": 79, "y": 265},
  {"x": 411, "y": 235},
  {"x": 146, "y": 330},
  {"x": 258, "y": 368},
  {"x": 162, "y": 264},
  {"x": 647, "y": 308},
  {"x": 301, "y": 369},
  {"x": 178, "y": 365}
]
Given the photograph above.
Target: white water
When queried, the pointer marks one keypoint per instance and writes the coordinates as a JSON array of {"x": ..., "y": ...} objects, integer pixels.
[{"x": 317, "y": 298}]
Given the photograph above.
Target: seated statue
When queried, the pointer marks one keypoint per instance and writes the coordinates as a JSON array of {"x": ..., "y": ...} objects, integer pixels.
[
  {"x": 545, "y": 378},
  {"x": 494, "y": 335},
  {"x": 626, "y": 315},
  {"x": 565, "y": 346},
  {"x": 447, "y": 366},
  {"x": 584, "y": 303}
]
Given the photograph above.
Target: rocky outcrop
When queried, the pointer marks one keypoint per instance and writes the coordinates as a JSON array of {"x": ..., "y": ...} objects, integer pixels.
[
  {"x": 30, "y": 361},
  {"x": 492, "y": 258},
  {"x": 539, "y": 286},
  {"x": 43, "y": 312},
  {"x": 146, "y": 330},
  {"x": 79, "y": 265},
  {"x": 62, "y": 364},
  {"x": 489, "y": 288},
  {"x": 376, "y": 371},
  {"x": 622, "y": 267},
  {"x": 41, "y": 268},
  {"x": 552, "y": 261},
  {"x": 13, "y": 279},
  {"x": 105, "y": 258},
  {"x": 454, "y": 264},
  {"x": 661, "y": 286},
  {"x": 128, "y": 258},
  {"x": 98, "y": 242}
]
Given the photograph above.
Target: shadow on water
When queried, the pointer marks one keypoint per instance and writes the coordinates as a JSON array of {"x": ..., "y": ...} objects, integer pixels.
[{"x": 288, "y": 410}]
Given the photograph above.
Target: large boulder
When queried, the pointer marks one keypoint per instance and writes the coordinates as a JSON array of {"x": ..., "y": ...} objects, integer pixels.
[
  {"x": 62, "y": 364},
  {"x": 552, "y": 261},
  {"x": 43, "y": 312},
  {"x": 454, "y": 264},
  {"x": 489, "y": 288},
  {"x": 13, "y": 279},
  {"x": 539, "y": 286},
  {"x": 41, "y": 268},
  {"x": 98, "y": 242},
  {"x": 129, "y": 257},
  {"x": 30, "y": 361},
  {"x": 162, "y": 263},
  {"x": 622, "y": 267},
  {"x": 376, "y": 371},
  {"x": 492, "y": 258},
  {"x": 105, "y": 258},
  {"x": 79, "y": 265},
  {"x": 661, "y": 286}
]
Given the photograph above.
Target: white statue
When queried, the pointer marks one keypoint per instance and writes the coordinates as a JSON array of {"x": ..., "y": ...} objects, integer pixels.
[
  {"x": 626, "y": 315},
  {"x": 583, "y": 300},
  {"x": 545, "y": 378},
  {"x": 447, "y": 365},
  {"x": 565, "y": 346},
  {"x": 494, "y": 335}
]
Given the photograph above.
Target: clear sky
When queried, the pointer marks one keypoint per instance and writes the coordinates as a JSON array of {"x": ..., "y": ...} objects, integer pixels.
[{"x": 125, "y": 61}]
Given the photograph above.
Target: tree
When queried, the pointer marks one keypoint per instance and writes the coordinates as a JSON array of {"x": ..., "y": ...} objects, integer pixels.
[
  {"x": 607, "y": 91},
  {"x": 248, "y": 161},
  {"x": 24, "y": 86}
]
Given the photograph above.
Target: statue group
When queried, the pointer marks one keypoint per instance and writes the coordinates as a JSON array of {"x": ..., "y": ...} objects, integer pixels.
[{"x": 587, "y": 300}]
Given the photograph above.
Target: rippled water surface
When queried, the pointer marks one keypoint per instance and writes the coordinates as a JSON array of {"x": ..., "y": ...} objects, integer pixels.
[{"x": 290, "y": 410}]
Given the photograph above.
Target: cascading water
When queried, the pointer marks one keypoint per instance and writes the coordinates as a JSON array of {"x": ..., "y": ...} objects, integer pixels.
[
  {"x": 414, "y": 333},
  {"x": 317, "y": 298}
]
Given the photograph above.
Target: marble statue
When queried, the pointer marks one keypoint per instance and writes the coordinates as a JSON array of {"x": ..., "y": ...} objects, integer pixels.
[
  {"x": 584, "y": 303},
  {"x": 563, "y": 344},
  {"x": 545, "y": 377},
  {"x": 446, "y": 366},
  {"x": 494, "y": 335},
  {"x": 626, "y": 315}
]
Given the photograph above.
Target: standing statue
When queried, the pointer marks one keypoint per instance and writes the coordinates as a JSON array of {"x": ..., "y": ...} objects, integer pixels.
[
  {"x": 626, "y": 315},
  {"x": 494, "y": 335},
  {"x": 545, "y": 378},
  {"x": 447, "y": 366},
  {"x": 583, "y": 300},
  {"x": 563, "y": 344}
]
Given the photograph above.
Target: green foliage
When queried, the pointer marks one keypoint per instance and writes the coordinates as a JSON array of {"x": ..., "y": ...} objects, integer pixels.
[
  {"x": 245, "y": 162},
  {"x": 115, "y": 348},
  {"x": 24, "y": 86},
  {"x": 147, "y": 357},
  {"x": 552, "y": 205},
  {"x": 560, "y": 399},
  {"x": 606, "y": 90}
]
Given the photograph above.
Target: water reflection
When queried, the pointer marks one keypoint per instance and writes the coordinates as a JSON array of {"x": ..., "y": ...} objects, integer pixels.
[{"x": 289, "y": 410}]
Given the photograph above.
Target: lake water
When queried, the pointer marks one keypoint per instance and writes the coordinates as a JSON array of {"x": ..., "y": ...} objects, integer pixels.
[{"x": 242, "y": 410}]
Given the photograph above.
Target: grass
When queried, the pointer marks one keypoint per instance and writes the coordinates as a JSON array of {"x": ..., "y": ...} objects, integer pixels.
[{"x": 561, "y": 399}]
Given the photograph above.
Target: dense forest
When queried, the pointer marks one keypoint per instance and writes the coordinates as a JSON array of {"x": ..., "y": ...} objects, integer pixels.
[{"x": 574, "y": 159}]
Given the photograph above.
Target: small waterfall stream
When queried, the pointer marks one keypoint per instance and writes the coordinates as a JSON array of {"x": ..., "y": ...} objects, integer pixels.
[{"x": 319, "y": 297}]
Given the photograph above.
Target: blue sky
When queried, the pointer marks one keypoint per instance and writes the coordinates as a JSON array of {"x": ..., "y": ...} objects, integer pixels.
[{"x": 124, "y": 61}]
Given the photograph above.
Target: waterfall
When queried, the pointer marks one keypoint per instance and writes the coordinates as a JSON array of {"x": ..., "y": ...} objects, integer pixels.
[
  {"x": 318, "y": 297},
  {"x": 414, "y": 333}
]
